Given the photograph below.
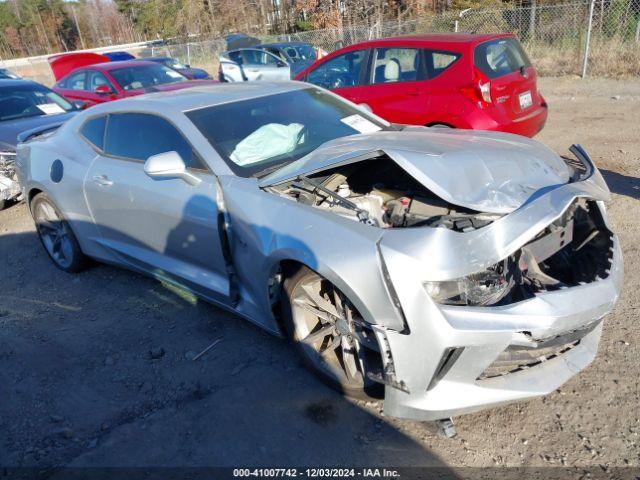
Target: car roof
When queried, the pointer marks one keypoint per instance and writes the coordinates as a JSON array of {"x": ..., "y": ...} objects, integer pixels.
[
  {"x": 107, "y": 66},
  {"x": 450, "y": 39},
  {"x": 155, "y": 59},
  {"x": 202, "y": 96}
]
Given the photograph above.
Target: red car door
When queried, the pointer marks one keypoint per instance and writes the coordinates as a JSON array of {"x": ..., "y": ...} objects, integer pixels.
[
  {"x": 73, "y": 86},
  {"x": 341, "y": 74},
  {"x": 99, "y": 88},
  {"x": 397, "y": 88}
]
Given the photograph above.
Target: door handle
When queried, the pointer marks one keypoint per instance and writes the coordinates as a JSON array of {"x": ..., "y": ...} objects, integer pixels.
[{"x": 102, "y": 180}]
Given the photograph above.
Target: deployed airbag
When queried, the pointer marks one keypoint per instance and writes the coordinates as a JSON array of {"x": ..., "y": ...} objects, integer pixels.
[{"x": 268, "y": 141}]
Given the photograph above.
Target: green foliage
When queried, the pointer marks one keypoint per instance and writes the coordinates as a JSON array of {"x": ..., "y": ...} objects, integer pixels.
[{"x": 304, "y": 25}]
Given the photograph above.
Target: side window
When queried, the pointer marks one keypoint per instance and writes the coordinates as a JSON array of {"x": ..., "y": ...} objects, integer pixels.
[
  {"x": 397, "y": 65},
  {"x": 341, "y": 71},
  {"x": 277, "y": 53},
  {"x": 96, "y": 79},
  {"x": 236, "y": 57},
  {"x": 259, "y": 58},
  {"x": 438, "y": 62},
  {"x": 75, "y": 81},
  {"x": 500, "y": 57},
  {"x": 139, "y": 136},
  {"x": 93, "y": 131}
]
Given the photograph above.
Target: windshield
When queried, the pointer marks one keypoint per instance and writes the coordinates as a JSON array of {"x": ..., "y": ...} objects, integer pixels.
[
  {"x": 145, "y": 76},
  {"x": 300, "y": 53},
  {"x": 21, "y": 101},
  {"x": 260, "y": 135}
]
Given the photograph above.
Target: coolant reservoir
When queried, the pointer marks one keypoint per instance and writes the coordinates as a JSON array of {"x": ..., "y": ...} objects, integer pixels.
[{"x": 344, "y": 190}]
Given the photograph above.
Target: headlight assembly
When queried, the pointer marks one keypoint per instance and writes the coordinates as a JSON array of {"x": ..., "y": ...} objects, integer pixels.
[{"x": 482, "y": 288}]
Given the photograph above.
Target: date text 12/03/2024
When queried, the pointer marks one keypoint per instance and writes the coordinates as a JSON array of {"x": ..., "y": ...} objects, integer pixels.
[{"x": 316, "y": 472}]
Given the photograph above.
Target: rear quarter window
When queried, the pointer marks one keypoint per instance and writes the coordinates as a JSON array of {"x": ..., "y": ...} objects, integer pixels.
[
  {"x": 93, "y": 131},
  {"x": 500, "y": 57},
  {"x": 438, "y": 61}
]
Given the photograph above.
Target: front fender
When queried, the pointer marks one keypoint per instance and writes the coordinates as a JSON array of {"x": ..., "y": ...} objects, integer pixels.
[{"x": 267, "y": 229}]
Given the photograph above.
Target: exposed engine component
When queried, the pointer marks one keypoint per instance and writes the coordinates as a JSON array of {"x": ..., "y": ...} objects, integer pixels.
[{"x": 380, "y": 193}]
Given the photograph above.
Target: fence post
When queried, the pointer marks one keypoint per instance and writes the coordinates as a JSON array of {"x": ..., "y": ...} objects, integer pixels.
[
  {"x": 188, "y": 55},
  {"x": 586, "y": 43},
  {"x": 638, "y": 30}
]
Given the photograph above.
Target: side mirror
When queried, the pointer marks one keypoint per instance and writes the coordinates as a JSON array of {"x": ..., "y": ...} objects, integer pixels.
[
  {"x": 169, "y": 165},
  {"x": 80, "y": 105},
  {"x": 102, "y": 90}
]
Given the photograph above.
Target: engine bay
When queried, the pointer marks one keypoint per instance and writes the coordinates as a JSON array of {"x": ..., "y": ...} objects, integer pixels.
[{"x": 378, "y": 192}]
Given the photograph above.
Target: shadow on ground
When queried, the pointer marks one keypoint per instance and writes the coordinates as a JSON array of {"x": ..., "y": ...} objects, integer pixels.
[
  {"x": 622, "y": 184},
  {"x": 96, "y": 370}
]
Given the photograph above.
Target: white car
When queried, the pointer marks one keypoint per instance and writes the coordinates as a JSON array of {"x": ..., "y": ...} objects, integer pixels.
[{"x": 250, "y": 64}]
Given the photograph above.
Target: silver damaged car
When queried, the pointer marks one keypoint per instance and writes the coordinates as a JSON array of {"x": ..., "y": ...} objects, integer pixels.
[{"x": 446, "y": 270}]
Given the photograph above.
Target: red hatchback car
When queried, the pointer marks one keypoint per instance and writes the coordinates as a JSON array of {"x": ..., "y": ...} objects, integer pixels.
[
  {"x": 91, "y": 78},
  {"x": 483, "y": 82}
]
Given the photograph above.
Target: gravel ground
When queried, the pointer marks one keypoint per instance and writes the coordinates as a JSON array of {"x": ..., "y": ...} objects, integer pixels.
[{"x": 96, "y": 369}]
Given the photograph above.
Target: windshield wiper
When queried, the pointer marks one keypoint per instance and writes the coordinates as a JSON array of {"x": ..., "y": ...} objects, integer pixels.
[
  {"x": 268, "y": 170},
  {"x": 363, "y": 215}
]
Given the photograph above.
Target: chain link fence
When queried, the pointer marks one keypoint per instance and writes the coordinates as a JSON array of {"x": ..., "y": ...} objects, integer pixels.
[{"x": 558, "y": 38}]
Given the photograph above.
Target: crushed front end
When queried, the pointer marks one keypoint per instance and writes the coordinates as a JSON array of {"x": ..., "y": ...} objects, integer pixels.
[{"x": 505, "y": 312}]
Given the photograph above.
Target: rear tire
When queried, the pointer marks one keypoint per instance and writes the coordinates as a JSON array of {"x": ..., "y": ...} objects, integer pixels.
[
  {"x": 330, "y": 335},
  {"x": 56, "y": 235}
]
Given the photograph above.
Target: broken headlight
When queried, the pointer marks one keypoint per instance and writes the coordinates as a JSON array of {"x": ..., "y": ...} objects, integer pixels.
[{"x": 482, "y": 288}]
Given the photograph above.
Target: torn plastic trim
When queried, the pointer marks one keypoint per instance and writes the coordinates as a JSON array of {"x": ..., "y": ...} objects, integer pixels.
[{"x": 387, "y": 376}]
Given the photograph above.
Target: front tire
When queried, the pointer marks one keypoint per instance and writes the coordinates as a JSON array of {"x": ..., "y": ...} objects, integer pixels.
[
  {"x": 329, "y": 333},
  {"x": 56, "y": 235}
]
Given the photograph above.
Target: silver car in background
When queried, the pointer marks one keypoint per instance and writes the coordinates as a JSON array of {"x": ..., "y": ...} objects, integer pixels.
[{"x": 446, "y": 270}]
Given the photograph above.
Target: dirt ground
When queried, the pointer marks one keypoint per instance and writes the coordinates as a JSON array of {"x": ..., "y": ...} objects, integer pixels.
[{"x": 96, "y": 369}]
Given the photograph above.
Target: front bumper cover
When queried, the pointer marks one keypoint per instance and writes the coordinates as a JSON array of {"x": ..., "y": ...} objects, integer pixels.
[{"x": 475, "y": 337}]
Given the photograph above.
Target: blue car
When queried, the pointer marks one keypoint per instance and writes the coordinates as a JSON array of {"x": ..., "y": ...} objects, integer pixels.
[
  {"x": 25, "y": 106},
  {"x": 118, "y": 56},
  {"x": 186, "y": 70}
]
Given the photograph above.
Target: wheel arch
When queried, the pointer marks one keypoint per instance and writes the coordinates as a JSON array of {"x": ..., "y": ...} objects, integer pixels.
[{"x": 288, "y": 266}]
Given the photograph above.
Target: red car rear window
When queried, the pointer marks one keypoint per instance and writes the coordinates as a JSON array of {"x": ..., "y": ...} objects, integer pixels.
[{"x": 500, "y": 57}]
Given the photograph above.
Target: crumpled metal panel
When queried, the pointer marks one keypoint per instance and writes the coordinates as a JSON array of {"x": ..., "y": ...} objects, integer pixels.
[
  {"x": 493, "y": 173},
  {"x": 9, "y": 186}
]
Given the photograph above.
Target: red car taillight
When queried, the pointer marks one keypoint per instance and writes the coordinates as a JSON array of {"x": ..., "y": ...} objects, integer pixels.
[{"x": 480, "y": 89}]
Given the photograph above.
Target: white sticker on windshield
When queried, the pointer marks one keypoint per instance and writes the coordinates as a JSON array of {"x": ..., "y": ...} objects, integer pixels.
[
  {"x": 361, "y": 124},
  {"x": 50, "y": 108},
  {"x": 174, "y": 74}
]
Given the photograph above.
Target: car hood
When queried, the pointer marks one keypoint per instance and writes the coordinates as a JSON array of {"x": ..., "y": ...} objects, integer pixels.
[
  {"x": 484, "y": 171},
  {"x": 67, "y": 62},
  {"x": 9, "y": 130}
]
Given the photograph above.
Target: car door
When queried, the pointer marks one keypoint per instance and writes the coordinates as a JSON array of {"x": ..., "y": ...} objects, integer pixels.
[
  {"x": 96, "y": 81},
  {"x": 397, "y": 88},
  {"x": 166, "y": 227},
  {"x": 260, "y": 64},
  {"x": 73, "y": 87},
  {"x": 342, "y": 74}
]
